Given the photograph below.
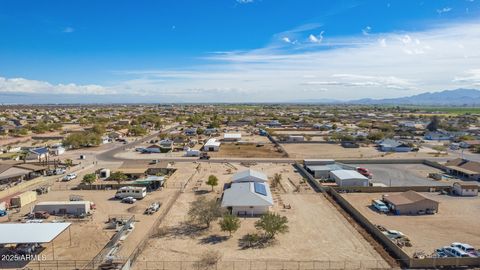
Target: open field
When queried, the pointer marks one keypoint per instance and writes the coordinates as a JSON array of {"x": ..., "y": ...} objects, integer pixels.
[
  {"x": 247, "y": 151},
  {"x": 404, "y": 174},
  {"x": 456, "y": 221},
  {"x": 335, "y": 151},
  {"x": 315, "y": 227}
]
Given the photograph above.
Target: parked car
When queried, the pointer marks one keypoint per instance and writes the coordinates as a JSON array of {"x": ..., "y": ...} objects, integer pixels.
[
  {"x": 440, "y": 253},
  {"x": 41, "y": 214},
  {"x": 365, "y": 172},
  {"x": 393, "y": 234},
  {"x": 466, "y": 248},
  {"x": 456, "y": 252},
  {"x": 129, "y": 200},
  {"x": 3, "y": 213},
  {"x": 57, "y": 171},
  {"x": 69, "y": 177},
  {"x": 152, "y": 208},
  {"x": 380, "y": 206},
  {"x": 204, "y": 155}
]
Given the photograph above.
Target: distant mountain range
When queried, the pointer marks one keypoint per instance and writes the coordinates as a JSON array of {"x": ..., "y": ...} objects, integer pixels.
[{"x": 457, "y": 97}]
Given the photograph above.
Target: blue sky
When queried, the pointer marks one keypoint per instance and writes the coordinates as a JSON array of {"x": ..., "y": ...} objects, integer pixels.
[{"x": 238, "y": 50}]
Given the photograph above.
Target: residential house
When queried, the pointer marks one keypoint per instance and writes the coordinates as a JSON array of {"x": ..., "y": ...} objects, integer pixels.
[
  {"x": 248, "y": 194},
  {"x": 465, "y": 189},
  {"x": 390, "y": 145},
  {"x": 411, "y": 203},
  {"x": 190, "y": 131},
  {"x": 40, "y": 154},
  {"x": 438, "y": 136}
]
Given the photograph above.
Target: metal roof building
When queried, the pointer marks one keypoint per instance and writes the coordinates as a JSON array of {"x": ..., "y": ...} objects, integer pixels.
[
  {"x": 349, "y": 178},
  {"x": 249, "y": 176},
  {"x": 25, "y": 233}
]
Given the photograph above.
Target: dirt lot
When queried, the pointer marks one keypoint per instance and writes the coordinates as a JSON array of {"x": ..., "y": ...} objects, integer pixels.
[
  {"x": 317, "y": 230},
  {"x": 456, "y": 221},
  {"x": 335, "y": 151},
  {"x": 247, "y": 151}
]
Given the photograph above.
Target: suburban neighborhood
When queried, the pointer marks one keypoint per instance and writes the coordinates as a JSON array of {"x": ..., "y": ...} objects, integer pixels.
[{"x": 135, "y": 192}]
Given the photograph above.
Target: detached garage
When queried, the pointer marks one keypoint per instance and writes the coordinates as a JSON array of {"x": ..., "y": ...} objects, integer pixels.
[
  {"x": 349, "y": 178},
  {"x": 411, "y": 203}
]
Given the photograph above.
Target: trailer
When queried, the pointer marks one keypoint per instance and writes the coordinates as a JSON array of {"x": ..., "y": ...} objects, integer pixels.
[{"x": 23, "y": 199}]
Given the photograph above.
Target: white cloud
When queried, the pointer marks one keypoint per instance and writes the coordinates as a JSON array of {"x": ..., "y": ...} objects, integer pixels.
[
  {"x": 316, "y": 39},
  {"x": 21, "y": 85},
  {"x": 68, "y": 30},
  {"x": 245, "y": 1},
  {"x": 413, "y": 62},
  {"x": 472, "y": 77},
  {"x": 444, "y": 10},
  {"x": 382, "y": 42},
  {"x": 366, "y": 30},
  {"x": 351, "y": 67}
]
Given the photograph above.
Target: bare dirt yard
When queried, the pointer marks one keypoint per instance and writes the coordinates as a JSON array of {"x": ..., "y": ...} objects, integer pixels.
[
  {"x": 251, "y": 150},
  {"x": 456, "y": 221},
  {"x": 317, "y": 231},
  {"x": 336, "y": 151}
]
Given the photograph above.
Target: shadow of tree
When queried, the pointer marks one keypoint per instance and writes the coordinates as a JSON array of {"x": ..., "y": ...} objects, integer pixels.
[
  {"x": 202, "y": 192},
  {"x": 184, "y": 229},
  {"x": 213, "y": 239},
  {"x": 255, "y": 241}
]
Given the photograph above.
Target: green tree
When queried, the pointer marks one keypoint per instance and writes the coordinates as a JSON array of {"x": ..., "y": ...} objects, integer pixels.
[
  {"x": 89, "y": 178},
  {"x": 272, "y": 224},
  {"x": 439, "y": 148},
  {"x": 118, "y": 176},
  {"x": 276, "y": 179},
  {"x": 212, "y": 181},
  {"x": 205, "y": 211},
  {"x": 433, "y": 125},
  {"x": 229, "y": 223},
  {"x": 68, "y": 162},
  {"x": 137, "y": 130},
  {"x": 376, "y": 136}
]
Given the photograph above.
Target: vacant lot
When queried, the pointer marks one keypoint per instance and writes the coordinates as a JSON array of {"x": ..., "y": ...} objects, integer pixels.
[
  {"x": 239, "y": 150},
  {"x": 335, "y": 151},
  {"x": 404, "y": 174},
  {"x": 456, "y": 221},
  {"x": 316, "y": 230}
]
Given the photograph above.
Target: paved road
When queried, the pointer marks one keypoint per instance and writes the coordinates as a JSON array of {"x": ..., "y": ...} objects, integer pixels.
[{"x": 110, "y": 154}]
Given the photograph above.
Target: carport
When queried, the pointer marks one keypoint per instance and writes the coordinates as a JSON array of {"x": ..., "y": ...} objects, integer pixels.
[{"x": 31, "y": 233}]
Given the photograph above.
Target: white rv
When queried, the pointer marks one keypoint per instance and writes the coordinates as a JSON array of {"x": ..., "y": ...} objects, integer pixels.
[{"x": 135, "y": 192}]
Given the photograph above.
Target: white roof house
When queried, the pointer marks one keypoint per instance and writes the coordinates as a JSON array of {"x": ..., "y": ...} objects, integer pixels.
[
  {"x": 232, "y": 136},
  {"x": 249, "y": 176},
  {"x": 248, "y": 198},
  {"x": 346, "y": 178}
]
